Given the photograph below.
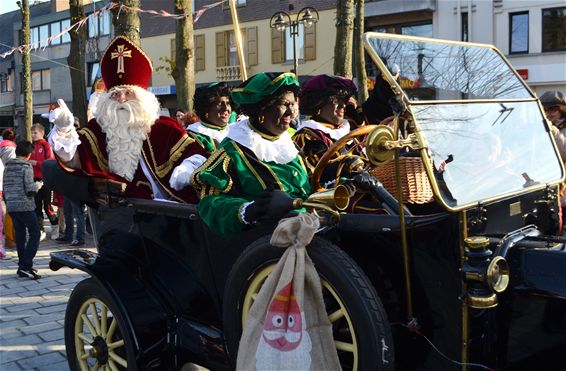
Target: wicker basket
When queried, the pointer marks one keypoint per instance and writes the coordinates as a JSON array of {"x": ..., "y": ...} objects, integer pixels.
[{"x": 415, "y": 184}]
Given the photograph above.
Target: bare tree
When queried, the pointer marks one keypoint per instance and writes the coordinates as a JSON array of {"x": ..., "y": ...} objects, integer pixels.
[
  {"x": 359, "y": 56},
  {"x": 344, "y": 38},
  {"x": 127, "y": 23},
  {"x": 26, "y": 62},
  {"x": 76, "y": 61},
  {"x": 183, "y": 70}
]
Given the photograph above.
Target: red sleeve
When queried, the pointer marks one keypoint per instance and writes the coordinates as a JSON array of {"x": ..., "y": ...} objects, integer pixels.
[{"x": 47, "y": 154}]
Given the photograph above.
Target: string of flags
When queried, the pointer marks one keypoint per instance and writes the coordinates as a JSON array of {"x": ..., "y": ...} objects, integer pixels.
[{"x": 97, "y": 13}]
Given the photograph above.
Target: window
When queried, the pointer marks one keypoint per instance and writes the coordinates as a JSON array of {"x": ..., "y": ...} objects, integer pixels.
[
  {"x": 519, "y": 32},
  {"x": 43, "y": 35},
  {"x": 553, "y": 26},
  {"x": 5, "y": 82},
  {"x": 299, "y": 39},
  {"x": 55, "y": 30},
  {"x": 100, "y": 25},
  {"x": 40, "y": 80},
  {"x": 226, "y": 49},
  {"x": 423, "y": 29},
  {"x": 34, "y": 35},
  {"x": 282, "y": 44},
  {"x": 40, "y": 34},
  {"x": 239, "y": 3},
  {"x": 464, "y": 33},
  {"x": 93, "y": 68},
  {"x": 66, "y": 38}
]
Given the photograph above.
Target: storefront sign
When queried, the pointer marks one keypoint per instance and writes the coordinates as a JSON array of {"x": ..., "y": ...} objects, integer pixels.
[
  {"x": 163, "y": 90},
  {"x": 524, "y": 73}
]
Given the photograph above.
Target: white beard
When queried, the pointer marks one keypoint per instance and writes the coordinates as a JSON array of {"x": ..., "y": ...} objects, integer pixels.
[
  {"x": 299, "y": 359},
  {"x": 126, "y": 126}
]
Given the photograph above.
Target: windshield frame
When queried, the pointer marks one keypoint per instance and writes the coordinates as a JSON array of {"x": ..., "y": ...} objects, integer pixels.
[{"x": 403, "y": 97}]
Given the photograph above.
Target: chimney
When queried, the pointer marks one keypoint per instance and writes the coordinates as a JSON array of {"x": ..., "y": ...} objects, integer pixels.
[{"x": 59, "y": 5}]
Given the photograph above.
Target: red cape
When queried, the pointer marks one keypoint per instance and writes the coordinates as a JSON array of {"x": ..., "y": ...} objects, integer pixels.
[{"x": 166, "y": 147}]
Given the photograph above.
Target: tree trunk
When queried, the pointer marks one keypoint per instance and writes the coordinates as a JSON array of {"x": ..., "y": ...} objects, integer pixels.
[
  {"x": 25, "y": 131},
  {"x": 344, "y": 38},
  {"x": 127, "y": 23},
  {"x": 359, "y": 56},
  {"x": 184, "y": 71},
  {"x": 76, "y": 61}
]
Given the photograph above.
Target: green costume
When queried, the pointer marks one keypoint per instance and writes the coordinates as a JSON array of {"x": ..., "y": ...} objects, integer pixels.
[
  {"x": 249, "y": 162},
  {"x": 234, "y": 175}
]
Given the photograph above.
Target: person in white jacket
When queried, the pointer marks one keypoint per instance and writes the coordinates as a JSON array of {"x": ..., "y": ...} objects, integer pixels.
[{"x": 554, "y": 104}]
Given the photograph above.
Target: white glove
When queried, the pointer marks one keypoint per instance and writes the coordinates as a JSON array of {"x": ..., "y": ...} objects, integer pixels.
[
  {"x": 62, "y": 117},
  {"x": 38, "y": 184},
  {"x": 181, "y": 174}
]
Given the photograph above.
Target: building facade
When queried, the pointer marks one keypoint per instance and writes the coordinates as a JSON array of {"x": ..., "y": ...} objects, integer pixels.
[
  {"x": 265, "y": 49},
  {"x": 530, "y": 33}
]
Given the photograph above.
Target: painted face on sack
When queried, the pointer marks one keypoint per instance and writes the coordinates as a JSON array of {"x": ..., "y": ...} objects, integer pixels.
[
  {"x": 277, "y": 117},
  {"x": 219, "y": 111}
]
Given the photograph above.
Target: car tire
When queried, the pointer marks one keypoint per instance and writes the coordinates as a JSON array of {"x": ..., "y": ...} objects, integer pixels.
[
  {"x": 107, "y": 341},
  {"x": 363, "y": 325}
]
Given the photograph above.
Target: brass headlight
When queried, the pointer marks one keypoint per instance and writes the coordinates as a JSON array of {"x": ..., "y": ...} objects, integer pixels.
[{"x": 498, "y": 274}]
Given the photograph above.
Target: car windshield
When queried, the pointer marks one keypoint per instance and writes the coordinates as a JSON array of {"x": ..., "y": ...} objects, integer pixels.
[
  {"x": 433, "y": 70},
  {"x": 494, "y": 146},
  {"x": 485, "y": 150}
]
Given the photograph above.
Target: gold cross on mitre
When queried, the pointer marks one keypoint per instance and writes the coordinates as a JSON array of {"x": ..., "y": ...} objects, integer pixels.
[{"x": 120, "y": 54}]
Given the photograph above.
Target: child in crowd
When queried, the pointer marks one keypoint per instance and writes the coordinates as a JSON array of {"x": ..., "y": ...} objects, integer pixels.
[
  {"x": 8, "y": 152},
  {"x": 19, "y": 192},
  {"x": 42, "y": 151},
  {"x": 2, "y": 250}
]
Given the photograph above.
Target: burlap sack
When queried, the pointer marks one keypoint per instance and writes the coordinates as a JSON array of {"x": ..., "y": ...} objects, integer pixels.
[{"x": 288, "y": 327}]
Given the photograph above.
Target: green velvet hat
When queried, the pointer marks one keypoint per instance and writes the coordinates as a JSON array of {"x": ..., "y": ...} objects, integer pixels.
[{"x": 262, "y": 85}]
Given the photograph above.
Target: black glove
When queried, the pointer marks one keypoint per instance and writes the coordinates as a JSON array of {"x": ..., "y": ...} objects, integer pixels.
[
  {"x": 353, "y": 164},
  {"x": 270, "y": 205}
]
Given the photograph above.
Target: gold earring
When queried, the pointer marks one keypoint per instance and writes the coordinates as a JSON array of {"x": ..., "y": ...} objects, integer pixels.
[
  {"x": 261, "y": 119},
  {"x": 206, "y": 115},
  {"x": 318, "y": 112}
]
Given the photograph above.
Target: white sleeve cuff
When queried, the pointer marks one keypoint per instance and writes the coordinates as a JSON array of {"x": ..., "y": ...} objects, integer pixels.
[
  {"x": 64, "y": 144},
  {"x": 181, "y": 175}
]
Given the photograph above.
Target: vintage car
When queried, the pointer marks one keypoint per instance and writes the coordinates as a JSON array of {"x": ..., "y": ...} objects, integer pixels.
[{"x": 457, "y": 262}]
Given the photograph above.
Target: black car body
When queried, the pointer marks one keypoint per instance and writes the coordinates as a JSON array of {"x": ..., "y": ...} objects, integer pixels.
[{"x": 475, "y": 278}]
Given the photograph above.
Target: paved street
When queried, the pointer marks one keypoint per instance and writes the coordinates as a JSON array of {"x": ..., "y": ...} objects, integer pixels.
[{"x": 32, "y": 312}]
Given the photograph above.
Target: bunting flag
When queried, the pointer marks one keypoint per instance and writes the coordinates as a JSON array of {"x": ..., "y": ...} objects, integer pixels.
[{"x": 161, "y": 13}]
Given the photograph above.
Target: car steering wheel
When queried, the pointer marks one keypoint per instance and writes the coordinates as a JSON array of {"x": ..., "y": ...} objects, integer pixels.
[{"x": 328, "y": 156}]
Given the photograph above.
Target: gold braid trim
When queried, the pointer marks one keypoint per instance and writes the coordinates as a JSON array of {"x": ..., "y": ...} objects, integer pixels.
[
  {"x": 261, "y": 182},
  {"x": 192, "y": 135},
  {"x": 219, "y": 157},
  {"x": 93, "y": 141},
  {"x": 174, "y": 154},
  {"x": 249, "y": 166},
  {"x": 166, "y": 189}
]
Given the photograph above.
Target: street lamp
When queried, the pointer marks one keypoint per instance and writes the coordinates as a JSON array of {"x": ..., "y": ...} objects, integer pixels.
[{"x": 307, "y": 16}]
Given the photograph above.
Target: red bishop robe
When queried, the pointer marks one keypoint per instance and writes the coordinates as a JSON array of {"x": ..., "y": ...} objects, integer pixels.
[{"x": 166, "y": 147}]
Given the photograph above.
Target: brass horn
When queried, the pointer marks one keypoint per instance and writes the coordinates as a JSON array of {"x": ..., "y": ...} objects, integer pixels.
[{"x": 337, "y": 198}]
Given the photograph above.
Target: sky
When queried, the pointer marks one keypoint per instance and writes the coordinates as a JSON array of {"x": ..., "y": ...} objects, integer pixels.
[{"x": 7, "y": 6}]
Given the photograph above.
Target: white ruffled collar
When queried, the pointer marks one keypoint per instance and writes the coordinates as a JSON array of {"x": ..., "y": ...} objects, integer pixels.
[
  {"x": 281, "y": 150},
  {"x": 218, "y": 135},
  {"x": 335, "y": 134}
]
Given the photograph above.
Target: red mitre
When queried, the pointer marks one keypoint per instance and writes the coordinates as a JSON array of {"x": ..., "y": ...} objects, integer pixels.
[{"x": 125, "y": 64}]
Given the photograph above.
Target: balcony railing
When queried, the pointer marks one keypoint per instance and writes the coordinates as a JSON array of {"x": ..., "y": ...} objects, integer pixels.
[{"x": 228, "y": 73}]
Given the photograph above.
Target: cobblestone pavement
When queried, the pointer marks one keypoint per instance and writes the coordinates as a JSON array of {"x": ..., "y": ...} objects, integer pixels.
[{"x": 32, "y": 312}]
